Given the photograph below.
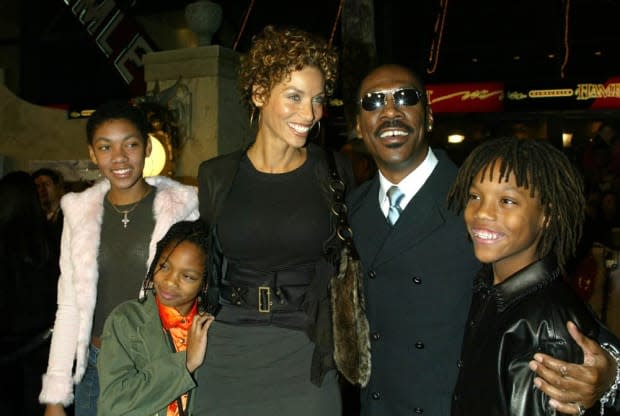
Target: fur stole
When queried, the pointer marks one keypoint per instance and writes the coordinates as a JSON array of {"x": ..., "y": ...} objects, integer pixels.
[{"x": 350, "y": 325}]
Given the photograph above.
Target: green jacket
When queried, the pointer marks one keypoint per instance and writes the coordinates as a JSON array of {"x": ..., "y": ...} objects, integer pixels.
[{"x": 138, "y": 372}]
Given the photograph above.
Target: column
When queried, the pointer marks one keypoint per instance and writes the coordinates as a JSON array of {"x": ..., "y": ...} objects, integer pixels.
[{"x": 218, "y": 122}]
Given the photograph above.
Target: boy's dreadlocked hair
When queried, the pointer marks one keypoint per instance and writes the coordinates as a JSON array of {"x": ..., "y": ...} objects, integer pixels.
[
  {"x": 546, "y": 172},
  {"x": 193, "y": 231}
]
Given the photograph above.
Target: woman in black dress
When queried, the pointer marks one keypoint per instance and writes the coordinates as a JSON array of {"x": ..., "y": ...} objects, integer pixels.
[{"x": 269, "y": 209}]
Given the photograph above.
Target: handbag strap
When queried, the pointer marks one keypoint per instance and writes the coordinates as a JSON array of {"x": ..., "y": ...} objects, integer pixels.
[{"x": 339, "y": 208}]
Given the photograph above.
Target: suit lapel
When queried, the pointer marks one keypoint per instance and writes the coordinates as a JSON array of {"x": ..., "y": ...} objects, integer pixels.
[
  {"x": 419, "y": 219},
  {"x": 378, "y": 242},
  {"x": 370, "y": 228}
]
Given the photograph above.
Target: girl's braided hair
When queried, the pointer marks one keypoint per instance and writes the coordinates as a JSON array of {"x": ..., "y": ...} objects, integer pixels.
[
  {"x": 195, "y": 232},
  {"x": 546, "y": 172}
]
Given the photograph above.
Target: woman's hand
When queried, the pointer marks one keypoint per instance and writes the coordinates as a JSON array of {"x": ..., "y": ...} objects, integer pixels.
[
  {"x": 571, "y": 385},
  {"x": 55, "y": 410},
  {"x": 197, "y": 341}
]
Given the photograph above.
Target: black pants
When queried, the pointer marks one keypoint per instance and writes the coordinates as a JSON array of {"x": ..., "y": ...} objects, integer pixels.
[{"x": 20, "y": 383}]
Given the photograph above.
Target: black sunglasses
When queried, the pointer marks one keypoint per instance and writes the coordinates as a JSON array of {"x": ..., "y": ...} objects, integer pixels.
[{"x": 402, "y": 97}]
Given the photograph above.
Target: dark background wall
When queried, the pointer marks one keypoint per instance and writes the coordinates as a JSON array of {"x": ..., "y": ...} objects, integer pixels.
[{"x": 50, "y": 59}]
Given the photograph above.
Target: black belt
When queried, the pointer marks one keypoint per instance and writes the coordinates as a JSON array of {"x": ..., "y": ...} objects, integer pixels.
[
  {"x": 264, "y": 297},
  {"x": 266, "y": 292}
]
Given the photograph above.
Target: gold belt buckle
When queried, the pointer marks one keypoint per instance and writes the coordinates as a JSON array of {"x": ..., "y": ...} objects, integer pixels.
[{"x": 264, "y": 291}]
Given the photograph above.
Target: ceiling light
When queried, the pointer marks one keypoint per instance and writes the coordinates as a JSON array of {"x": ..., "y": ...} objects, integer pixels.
[
  {"x": 475, "y": 60},
  {"x": 516, "y": 57},
  {"x": 551, "y": 56},
  {"x": 598, "y": 53},
  {"x": 567, "y": 139}
]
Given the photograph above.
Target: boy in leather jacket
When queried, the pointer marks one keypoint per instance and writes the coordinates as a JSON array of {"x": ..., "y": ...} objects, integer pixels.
[{"x": 523, "y": 206}]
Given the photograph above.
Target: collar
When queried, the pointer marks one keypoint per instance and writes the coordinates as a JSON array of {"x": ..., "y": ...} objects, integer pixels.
[
  {"x": 410, "y": 185},
  {"x": 171, "y": 318},
  {"x": 51, "y": 215},
  {"x": 524, "y": 282}
]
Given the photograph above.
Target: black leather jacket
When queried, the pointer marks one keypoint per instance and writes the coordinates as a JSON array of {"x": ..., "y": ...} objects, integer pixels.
[{"x": 507, "y": 324}]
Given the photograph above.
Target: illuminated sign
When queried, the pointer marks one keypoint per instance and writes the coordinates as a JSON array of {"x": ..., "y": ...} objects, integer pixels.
[
  {"x": 590, "y": 91},
  {"x": 550, "y": 93},
  {"x": 118, "y": 37},
  {"x": 466, "y": 98},
  {"x": 564, "y": 95},
  {"x": 498, "y": 96}
]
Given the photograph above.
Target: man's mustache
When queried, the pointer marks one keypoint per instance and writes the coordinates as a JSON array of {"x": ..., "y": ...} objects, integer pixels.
[{"x": 393, "y": 124}]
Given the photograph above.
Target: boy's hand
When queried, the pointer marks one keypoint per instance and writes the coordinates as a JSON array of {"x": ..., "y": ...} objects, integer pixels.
[
  {"x": 570, "y": 385},
  {"x": 197, "y": 341}
]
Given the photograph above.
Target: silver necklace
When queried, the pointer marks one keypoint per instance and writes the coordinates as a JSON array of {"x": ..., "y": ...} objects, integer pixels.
[{"x": 124, "y": 212}]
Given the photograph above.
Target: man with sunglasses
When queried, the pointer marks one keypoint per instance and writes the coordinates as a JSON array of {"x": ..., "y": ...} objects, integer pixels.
[{"x": 419, "y": 265}]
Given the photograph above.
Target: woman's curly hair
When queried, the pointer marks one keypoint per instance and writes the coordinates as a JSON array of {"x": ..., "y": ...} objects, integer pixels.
[{"x": 275, "y": 53}]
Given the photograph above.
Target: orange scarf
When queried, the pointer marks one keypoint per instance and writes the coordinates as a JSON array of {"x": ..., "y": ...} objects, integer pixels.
[{"x": 178, "y": 326}]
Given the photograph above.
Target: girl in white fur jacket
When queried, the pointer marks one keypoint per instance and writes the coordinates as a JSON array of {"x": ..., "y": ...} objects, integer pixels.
[{"x": 109, "y": 237}]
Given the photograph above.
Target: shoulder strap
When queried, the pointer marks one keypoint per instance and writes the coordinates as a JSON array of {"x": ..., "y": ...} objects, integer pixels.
[{"x": 339, "y": 208}]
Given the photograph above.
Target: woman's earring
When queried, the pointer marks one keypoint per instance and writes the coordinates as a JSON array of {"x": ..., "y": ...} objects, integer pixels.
[
  {"x": 318, "y": 130},
  {"x": 252, "y": 116}
]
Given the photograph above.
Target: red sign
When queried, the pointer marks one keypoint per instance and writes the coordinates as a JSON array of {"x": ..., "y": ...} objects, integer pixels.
[{"x": 479, "y": 97}]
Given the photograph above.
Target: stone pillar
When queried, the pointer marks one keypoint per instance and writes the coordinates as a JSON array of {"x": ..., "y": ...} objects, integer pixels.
[{"x": 219, "y": 122}]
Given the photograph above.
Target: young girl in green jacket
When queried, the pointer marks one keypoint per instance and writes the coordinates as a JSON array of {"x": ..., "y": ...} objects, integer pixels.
[{"x": 152, "y": 346}]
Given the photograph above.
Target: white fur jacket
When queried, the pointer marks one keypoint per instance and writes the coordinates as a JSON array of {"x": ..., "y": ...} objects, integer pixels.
[{"x": 77, "y": 285}]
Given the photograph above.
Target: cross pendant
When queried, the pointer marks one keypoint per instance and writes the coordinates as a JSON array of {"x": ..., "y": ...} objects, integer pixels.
[{"x": 125, "y": 220}]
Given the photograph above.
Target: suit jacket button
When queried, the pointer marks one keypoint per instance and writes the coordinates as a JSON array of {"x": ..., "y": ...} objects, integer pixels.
[
  {"x": 372, "y": 274},
  {"x": 376, "y": 336},
  {"x": 419, "y": 345},
  {"x": 416, "y": 280},
  {"x": 376, "y": 395}
]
